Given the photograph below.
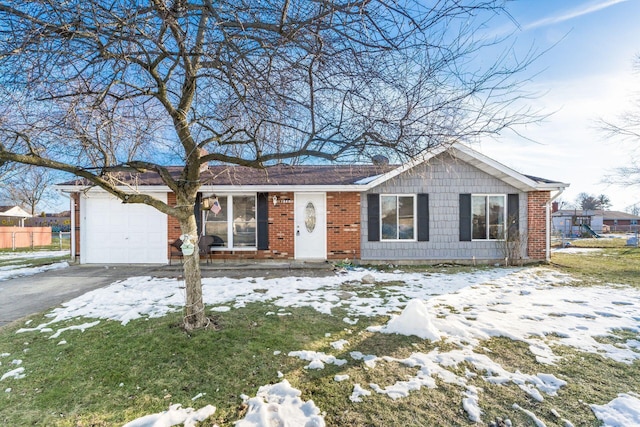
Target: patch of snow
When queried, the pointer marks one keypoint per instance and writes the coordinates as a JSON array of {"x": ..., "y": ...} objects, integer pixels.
[
  {"x": 537, "y": 421},
  {"x": 470, "y": 404},
  {"x": 414, "y": 320},
  {"x": 317, "y": 359},
  {"x": 339, "y": 345},
  {"x": 280, "y": 405},
  {"x": 30, "y": 271},
  {"x": 623, "y": 411},
  {"x": 4, "y": 256},
  {"x": 80, "y": 328},
  {"x": 358, "y": 392},
  {"x": 576, "y": 251},
  {"x": 16, "y": 374},
  {"x": 174, "y": 416},
  {"x": 369, "y": 360}
]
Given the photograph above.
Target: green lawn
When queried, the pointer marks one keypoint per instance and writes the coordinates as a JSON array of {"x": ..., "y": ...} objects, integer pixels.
[
  {"x": 111, "y": 374},
  {"x": 609, "y": 265}
]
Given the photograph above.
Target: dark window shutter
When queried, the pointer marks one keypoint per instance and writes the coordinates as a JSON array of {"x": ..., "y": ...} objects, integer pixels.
[
  {"x": 373, "y": 217},
  {"x": 263, "y": 221},
  {"x": 513, "y": 214},
  {"x": 423, "y": 217},
  {"x": 465, "y": 217}
]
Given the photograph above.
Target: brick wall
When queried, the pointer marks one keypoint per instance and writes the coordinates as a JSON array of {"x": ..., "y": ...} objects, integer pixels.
[
  {"x": 537, "y": 224},
  {"x": 281, "y": 227},
  {"x": 173, "y": 226},
  {"x": 343, "y": 225}
]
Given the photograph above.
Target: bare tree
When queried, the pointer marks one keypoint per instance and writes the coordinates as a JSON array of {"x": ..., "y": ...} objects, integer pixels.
[
  {"x": 513, "y": 243},
  {"x": 105, "y": 86},
  {"x": 626, "y": 127},
  {"x": 28, "y": 188}
]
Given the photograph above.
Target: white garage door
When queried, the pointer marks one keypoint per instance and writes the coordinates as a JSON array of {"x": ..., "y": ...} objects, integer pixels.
[{"x": 117, "y": 233}]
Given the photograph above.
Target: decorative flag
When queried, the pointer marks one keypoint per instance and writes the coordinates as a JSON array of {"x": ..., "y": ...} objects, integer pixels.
[{"x": 215, "y": 207}]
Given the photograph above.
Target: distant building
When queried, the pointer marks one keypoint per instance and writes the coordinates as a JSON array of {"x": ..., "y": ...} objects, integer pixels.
[
  {"x": 57, "y": 221},
  {"x": 13, "y": 216},
  {"x": 573, "y": 222}
]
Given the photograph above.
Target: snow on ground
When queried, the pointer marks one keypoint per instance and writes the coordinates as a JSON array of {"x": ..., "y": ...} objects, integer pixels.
[
  {"x": 4, "y": 256},
  {"x": 623, "y": 411},
  {"x": 537, "y": 306},
  {"x": 576, "y": 251},
  {"x": 10, "y": 271},
  {"x": 7, "y": 272}
]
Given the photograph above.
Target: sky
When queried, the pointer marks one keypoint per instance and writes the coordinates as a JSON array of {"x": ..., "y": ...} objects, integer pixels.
[
  {"x": 585, "y": 74},
  {"x": 523, "y": 304}
]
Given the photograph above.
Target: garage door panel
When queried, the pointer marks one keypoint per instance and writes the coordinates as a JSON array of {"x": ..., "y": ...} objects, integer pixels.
[{"x": 117, "y": 233}]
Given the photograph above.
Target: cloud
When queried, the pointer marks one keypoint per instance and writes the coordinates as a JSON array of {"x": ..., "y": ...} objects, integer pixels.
[{"x": 584, "y": 9}]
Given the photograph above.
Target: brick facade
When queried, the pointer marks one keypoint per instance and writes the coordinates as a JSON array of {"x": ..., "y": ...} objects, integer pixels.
[
  {"x": 343, "y": 225},
  {"x": 343, "y": 229},
  {"x": 537, "y": 205}
]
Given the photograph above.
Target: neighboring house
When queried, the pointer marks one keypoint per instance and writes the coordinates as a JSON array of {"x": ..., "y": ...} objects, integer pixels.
[
  {"x": 620, "y": 221},
  {"x": 13, "y": 216},
  {"x": 452, "y": 205},
  {"x": 569, "y": 222},
  {"x": 59, "y": 222}
]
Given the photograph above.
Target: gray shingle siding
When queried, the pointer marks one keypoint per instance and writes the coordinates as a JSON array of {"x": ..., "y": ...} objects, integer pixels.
[{"x": 444, "y": 179}]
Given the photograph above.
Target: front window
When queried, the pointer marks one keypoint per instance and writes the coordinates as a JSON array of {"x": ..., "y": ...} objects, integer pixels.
[
  {"x": 231, "y": 220},
  {"x": 397, "y": 217},
  {"x": 488, "y": 213}
]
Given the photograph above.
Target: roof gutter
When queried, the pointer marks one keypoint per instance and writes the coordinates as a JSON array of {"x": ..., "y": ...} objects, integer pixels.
[{"x": 227, "y": 188}]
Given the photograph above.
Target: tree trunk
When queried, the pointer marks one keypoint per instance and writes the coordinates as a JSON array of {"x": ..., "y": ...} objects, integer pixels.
[{"x": 194, "y": 317}]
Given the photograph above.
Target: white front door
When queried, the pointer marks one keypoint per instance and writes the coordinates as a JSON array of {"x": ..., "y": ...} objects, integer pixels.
[{"x": 311, "y": 226}]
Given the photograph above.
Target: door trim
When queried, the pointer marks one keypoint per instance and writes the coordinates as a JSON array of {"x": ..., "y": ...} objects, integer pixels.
[{"x": 296, "y": 200}]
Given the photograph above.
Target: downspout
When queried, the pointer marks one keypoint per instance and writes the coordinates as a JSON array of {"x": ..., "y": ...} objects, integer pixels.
[
  {"x": 548, "y": 226},
  {"x": 72, "y": 231}
]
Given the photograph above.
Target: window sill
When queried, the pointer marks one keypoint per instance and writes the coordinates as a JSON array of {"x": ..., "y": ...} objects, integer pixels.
[{"x": 221, "y": 249}]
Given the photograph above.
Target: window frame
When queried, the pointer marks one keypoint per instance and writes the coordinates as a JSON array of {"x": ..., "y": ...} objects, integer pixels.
[
  {"x": 230, "y": 220},
  {"x": 414, "y": 197},
  {"x": 505, "y": 210}
]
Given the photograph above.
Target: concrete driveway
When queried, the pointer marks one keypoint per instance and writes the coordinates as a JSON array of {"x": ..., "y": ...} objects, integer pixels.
[{"x": 24, "y": 296}]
